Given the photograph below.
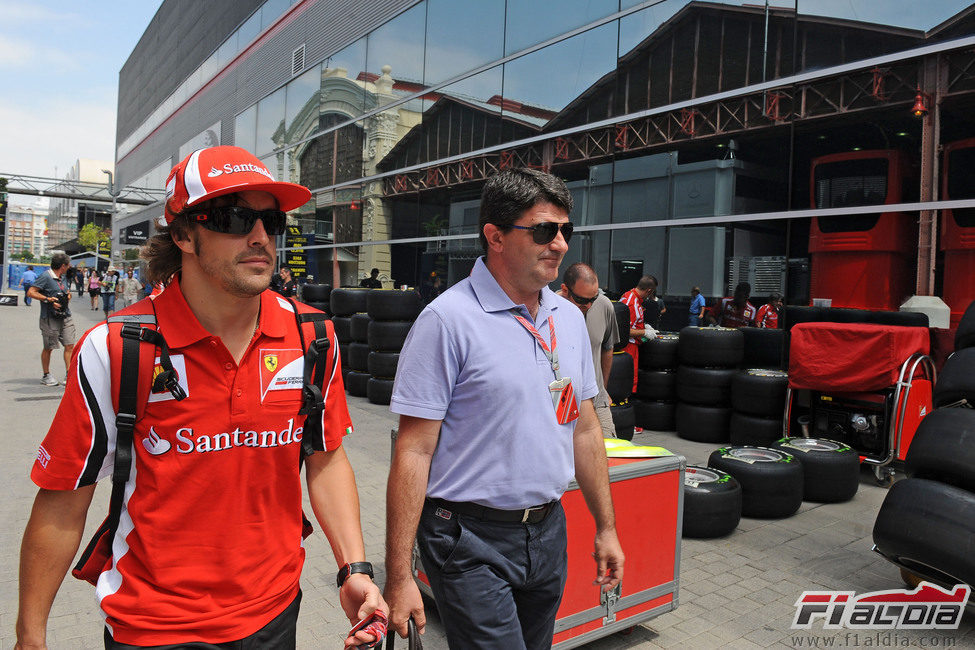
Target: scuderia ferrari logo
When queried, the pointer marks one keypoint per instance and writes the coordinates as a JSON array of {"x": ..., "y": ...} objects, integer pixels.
[
  {"x": 271, "y": 362},
  {"x": 281, "y": 369}
]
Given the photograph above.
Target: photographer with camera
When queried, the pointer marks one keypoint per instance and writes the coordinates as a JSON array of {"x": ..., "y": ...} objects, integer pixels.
[{"x": 51, "y": 290}]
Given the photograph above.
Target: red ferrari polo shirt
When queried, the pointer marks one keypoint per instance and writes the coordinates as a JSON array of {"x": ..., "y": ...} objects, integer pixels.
[{"x": 209, "y": 543}]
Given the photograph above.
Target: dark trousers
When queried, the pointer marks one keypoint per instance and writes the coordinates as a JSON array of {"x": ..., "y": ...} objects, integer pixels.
[
  {"x": 497, "y": 585},
  {"x": 279, "y": 634}
]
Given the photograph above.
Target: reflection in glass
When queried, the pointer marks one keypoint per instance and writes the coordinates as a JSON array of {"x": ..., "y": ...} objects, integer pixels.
[
  {"x": 530, "y": 22},
  {"x": 398, "y": 46},
  {"x": 343, "y": 81},
  {"x": 461, "y": 35},
  {"x": 302, "y": 101},
  {"x": 272, "y": 10},
  {"x": 245, "y": 129},
  {"x": 552, "y": 77},
  {"x": 249, "y": 30},
  {"x": 270, "y": 122}
]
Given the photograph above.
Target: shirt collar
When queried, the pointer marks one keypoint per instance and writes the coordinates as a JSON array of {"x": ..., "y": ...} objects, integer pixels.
[
  {"x": 493, "y": 298},
  {"x": 181, "y": 328}
]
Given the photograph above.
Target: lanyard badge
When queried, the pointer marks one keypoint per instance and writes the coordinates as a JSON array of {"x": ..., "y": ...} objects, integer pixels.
[{"x": 561, "y": 391}]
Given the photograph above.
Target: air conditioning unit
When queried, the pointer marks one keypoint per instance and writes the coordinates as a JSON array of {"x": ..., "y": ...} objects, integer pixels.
[{"x": 765, "y": 274}]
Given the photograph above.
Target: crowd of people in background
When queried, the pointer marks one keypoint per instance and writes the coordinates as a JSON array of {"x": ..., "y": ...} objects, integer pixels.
[{"x": 108, "y": 291}]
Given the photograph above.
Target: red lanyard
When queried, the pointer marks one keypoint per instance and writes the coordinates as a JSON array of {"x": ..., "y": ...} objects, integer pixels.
[{"x": 552, "y": 354}]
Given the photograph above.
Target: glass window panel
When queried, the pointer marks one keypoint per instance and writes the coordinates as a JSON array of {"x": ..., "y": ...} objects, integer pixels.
[
  {"x": 530, "y": 22},
  {"x": 343, "y": 81},
  {"x": 272, "y": 10},
  {"x": 270, "y": 122},
  {"x": 248, "y": 31},
  {"x": 227, "y": 51},
  {"x": 396, "y": 50},
  {"x": 302, "y": 103},
  {"x": 578, "y": 64},
  {"x": 245, "y": 129},
  {"x": 462, "y": 35},
  {"x": 465, "y": 116}
]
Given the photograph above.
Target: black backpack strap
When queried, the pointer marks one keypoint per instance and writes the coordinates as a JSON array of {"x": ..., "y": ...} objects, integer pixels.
[{"x": 316, "y": 364}]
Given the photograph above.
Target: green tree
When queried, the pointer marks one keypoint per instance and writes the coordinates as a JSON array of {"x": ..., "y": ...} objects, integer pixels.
[
  {"x": 90, "y": 235},
  {"x": 130, "y": 254},
  {"x": 25, "y": 256}
]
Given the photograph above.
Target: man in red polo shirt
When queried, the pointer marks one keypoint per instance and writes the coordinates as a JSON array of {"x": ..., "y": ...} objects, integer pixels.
[
  {"x": 209, "y": 542},
  {"x": 639, "y": 331}
]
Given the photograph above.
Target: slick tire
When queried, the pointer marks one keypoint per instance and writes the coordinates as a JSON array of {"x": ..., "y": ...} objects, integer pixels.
[
  {"x": 316, "y": 293},
  {"x": 358, "y": 357},
  {"x": 348, "y": 301},
  {"x": 356, "y": 383},
  {"x": 620, "y": 382},
  {"x": 388, "y": 336},
  {"x": 956, "y": 381},
  {"x": 343, "y": 328},
  {"x": 718, "y": 347},
  {"x": 382, "y": 365},
  {"x": 712, "y": 503},
  {"x": 622, "y": 313},
  {"x": 359, "y": 328},
  {"x": 943, "y": 448},
  {"x": 759, "y": 391},
  {"x": 655, "y": 415},
  {"x": 831, "y": 470},
  {"x": 702, "y": 423},
  {"x": 656, "y": 385},
  {"x": 965, "y": 335},
  {"x": 928, "y": 528},
  {"x": 379, "y": 391},
  {"x": 771, "y": 480},
  {"x": 623, "y": 420},
  {"x": 660, "y": 353},
  {"x": 393, "y": 304},
  {"x": 763, "y": 348},
  {"x": 320, "y": 306},
  {"x": 745, "y": 429},
  {"x": 795, "y": 314},
  {"x": 344, "y": 356},
  {"x": 705, "y": 386}
]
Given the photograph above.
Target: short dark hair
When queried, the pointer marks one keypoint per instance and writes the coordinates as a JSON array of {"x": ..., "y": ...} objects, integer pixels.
[
  {"x": 576, "y": 272},
  {"x": 375, "y": 271},
  {"x": 58, "y": 260},
  {"x": 743, "y": 287},
  {"x": 508, "y": 194},
  {"x": 646, "y": 282}
]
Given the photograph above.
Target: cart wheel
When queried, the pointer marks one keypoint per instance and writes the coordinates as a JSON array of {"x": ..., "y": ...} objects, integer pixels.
[
  {"x": 628, "y": 631},
  {"x": 883, "y": 475},
  {"x": 910, "y": 579}
]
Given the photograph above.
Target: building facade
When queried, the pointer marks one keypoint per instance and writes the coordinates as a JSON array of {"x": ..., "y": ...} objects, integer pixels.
[
  {"x": 68, "y": 216},
  {"x": 694, "y": 135},
  {"x": 27, "y": 230}
]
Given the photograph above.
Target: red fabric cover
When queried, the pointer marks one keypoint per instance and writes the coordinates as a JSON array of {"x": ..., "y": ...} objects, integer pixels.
[{"x": 851, "y": 356}]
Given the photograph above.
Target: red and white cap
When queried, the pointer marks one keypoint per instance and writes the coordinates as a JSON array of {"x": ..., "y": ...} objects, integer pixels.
[{"x": 215, "y": 171}]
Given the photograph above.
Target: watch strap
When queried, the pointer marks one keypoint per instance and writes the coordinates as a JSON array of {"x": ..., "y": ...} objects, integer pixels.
[{"x": 350, "y": 568}]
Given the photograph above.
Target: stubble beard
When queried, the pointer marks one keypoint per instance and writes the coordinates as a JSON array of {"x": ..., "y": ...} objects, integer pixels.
[{"x": 232, "y": 277}]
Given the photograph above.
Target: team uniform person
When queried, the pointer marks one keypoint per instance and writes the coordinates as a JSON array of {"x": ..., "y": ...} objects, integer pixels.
[
  {"x": 494, "y": 389},
  {"x": 209, "y": 544}
]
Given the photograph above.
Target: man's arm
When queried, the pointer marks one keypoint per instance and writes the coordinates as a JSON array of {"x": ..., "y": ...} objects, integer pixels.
[
  {"x": 35, "y": 293},
  {"x": 405, "y": 492},
  {"x": 335, "y": 501},
  {"x": 52, "y": 536},
  {"x": 592, "y": 474},
  {"x": 606, "y": 365}
]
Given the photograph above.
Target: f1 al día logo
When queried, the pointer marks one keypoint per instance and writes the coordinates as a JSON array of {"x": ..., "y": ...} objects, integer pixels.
[{"x": 928, "y": 607}]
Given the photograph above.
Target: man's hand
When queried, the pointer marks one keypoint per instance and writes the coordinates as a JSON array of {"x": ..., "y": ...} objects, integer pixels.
[
  {"x": 360, "y": 597},
  {"x": 609, "y": 560},
  {"x": 404, "y": 602}
]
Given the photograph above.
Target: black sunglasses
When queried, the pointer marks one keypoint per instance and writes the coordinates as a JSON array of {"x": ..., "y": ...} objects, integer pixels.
[
  {"x": 239, "y": 220},
  {"x": 545, "y": 232},
  {"x": 579, "y": 300}
]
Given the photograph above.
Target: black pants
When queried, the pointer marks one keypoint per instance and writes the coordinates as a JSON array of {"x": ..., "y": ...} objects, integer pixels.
[
  {"x": 497, "y": 585},
  {"x": 279, "y": 634}
]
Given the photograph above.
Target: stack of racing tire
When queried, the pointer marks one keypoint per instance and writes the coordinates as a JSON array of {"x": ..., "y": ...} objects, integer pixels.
[
  {"x": 655, "y": 401},
  {"x": 758, "y": 406},
  {"x": 317, "y": 296},
  {"x": 391, "y": 314},
  {"x": 351, "y": 322},
  {"x": 926, "y": 523},
  {"x": 619, "y": 384},
  {"x": 709, "y": 358}
]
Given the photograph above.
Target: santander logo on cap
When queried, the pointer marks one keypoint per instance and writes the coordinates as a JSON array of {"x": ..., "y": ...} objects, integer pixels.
[{"x": 214, "y": 172}]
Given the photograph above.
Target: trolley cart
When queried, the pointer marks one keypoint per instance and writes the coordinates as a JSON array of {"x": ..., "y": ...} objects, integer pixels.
[
  {"x": 648, "y": 496},
  {"x": 867, "y": 385}
]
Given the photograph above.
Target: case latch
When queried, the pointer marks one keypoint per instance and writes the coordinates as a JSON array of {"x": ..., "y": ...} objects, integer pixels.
[{"x": 609, "y": 599}]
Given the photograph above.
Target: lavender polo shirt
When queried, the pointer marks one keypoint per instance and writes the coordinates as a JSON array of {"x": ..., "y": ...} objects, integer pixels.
[{"x": 469, "y": 362}]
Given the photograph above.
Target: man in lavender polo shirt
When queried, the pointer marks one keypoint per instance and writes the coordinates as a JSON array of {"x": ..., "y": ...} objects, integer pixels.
[{"x": 481, "y": 456}]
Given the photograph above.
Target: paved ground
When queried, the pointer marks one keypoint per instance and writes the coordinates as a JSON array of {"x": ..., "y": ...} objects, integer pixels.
[{"x": 737, "y": 592}]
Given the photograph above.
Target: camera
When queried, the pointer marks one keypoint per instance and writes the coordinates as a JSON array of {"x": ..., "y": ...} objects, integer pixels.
[{"x": 59, "y": 308}]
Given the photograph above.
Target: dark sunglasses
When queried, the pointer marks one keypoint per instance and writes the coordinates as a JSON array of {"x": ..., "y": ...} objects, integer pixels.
[
  {"x": 239, "y": 220},
  {"x": 545, "y": 232},
  {"x": 579, "y": 300}
]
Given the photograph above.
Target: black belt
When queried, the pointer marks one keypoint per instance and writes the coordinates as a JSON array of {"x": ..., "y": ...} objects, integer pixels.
[{"x": 533, "y": 515}]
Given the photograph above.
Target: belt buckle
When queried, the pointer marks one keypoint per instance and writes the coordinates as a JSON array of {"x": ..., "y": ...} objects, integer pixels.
[{"x": 528, "y": 512}]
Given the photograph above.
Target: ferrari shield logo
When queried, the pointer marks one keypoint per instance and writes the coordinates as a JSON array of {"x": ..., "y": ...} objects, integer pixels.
[{"x": 271, "y": 362}]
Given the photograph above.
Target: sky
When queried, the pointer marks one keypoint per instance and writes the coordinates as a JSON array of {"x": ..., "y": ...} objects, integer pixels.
[{"x": 59, "y": 65}]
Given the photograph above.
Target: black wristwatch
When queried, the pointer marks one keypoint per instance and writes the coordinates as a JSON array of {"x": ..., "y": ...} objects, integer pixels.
[{"x": 349, "y": 569}]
